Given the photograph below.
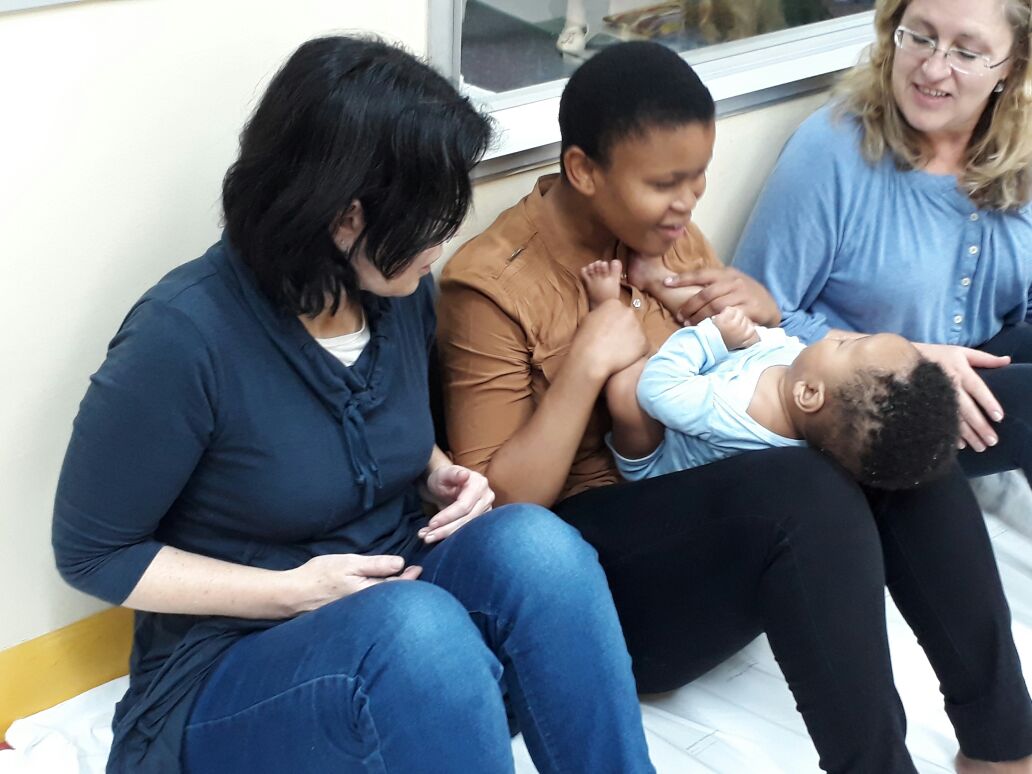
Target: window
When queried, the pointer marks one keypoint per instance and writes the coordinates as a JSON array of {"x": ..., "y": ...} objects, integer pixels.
[
  {"x": 21, "y": 5},
  {"x": 513, "y": 56}
]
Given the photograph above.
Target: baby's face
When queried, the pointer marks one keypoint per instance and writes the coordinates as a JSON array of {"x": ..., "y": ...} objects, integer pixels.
[{"x": 836, "y": 361}]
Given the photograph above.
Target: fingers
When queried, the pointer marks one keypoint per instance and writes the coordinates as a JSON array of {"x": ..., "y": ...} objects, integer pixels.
[
  {"x": 976, "y": 358},
  {"x": 438, "y": 534},
  {"x": 411, "y": 572},
  {"x": 975, "y": 429},
  {"x": 698, "y": 277},
  {"x": 379, "y": 566},
  {"x": 449, "y": 481},
  {"x": 973, "y": 385}
]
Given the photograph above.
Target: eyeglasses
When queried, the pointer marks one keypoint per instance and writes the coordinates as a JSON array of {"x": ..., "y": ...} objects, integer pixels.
[{"x": 960, "y": 60}]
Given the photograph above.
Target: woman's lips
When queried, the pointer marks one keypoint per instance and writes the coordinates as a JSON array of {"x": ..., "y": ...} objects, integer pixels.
[{"x": 926, "y": 95}]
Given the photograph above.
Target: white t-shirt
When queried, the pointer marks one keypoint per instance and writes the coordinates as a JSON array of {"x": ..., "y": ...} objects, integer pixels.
[{"x": 348, "y": 347}]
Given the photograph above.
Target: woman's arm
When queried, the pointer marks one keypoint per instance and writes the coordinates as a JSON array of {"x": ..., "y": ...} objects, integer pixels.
[
  {"x": 142, "y": 428},
  {"x": 190, "y": 584},
  {"x": 494, "y": 426}
]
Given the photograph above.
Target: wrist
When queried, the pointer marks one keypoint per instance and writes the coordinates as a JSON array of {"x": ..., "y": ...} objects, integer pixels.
[{"x": 286, "y": 596}]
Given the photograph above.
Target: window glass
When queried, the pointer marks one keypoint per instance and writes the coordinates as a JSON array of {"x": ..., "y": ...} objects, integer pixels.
[{"x": 512, "y": 44}]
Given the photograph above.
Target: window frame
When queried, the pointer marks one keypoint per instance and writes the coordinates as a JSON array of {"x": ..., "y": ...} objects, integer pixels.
[
  {"x": 7, "y": 6},
  {"x": 742, "y": 75}
]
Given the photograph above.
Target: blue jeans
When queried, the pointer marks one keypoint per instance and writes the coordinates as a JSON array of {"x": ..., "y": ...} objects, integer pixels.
[{"x": 409, "y": 676}]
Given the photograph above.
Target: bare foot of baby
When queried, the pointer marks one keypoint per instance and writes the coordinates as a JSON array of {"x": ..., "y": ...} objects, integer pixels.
[{"x": 602, "y": 281}]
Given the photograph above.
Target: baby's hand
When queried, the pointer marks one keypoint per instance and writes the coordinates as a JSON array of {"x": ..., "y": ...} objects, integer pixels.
[{"x": 736, "y": 329}]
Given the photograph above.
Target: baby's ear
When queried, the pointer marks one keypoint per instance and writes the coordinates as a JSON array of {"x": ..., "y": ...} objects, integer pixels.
[{"x": 808, "y": 395}]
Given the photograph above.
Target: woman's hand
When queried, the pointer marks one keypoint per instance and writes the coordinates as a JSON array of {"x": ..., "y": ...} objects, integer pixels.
[
  {"x": 975, "y": 398},
  {"x": 461, "y": 494},
  {"x": 325, "y": 579},
  {"x": 722, "y": 287},
  {"x": 608, "y": 340}
]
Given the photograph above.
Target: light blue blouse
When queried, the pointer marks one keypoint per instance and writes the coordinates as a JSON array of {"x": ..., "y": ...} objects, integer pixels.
[{"x": 844, "y": 244}]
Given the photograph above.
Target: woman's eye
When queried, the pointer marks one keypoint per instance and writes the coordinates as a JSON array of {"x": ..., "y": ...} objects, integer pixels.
[
  {"x": 922, "y": 40},
  {"x": 664, "y": 186},
  {"x": 966, "y": 56}
]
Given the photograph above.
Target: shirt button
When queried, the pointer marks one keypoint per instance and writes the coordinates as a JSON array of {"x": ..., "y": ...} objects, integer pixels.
[
  {"x": 966, "y": 281},
  {"x": 958, "y": 319},
  {"x": 973, "y": 250},
  {"x": 974, "y": 216},
  {"x": 636, "y": 303}
]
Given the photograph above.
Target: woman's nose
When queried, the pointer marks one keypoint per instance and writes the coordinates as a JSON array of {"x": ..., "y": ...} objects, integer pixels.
[{"x": 937, "y": 66}]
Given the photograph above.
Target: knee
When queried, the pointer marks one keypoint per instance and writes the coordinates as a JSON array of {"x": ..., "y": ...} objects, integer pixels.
[
  {"x": 540, "y": 555},
  {"x": 532, "y": 539},
  {"x": 427, "y": 637},
  {"x": 820, "y": 503}
]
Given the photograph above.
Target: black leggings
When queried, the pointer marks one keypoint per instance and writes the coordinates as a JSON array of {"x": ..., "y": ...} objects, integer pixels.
[
  {"x": 782, "y": 541},
  {"x": 1012, "y": 386}
]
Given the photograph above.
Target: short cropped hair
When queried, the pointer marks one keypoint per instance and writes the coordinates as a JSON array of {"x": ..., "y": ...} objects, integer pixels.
[
  {"x": 625, "y": 90},
  {"x": 345, "y": 119},
  {"x": 895, "y": 432}
]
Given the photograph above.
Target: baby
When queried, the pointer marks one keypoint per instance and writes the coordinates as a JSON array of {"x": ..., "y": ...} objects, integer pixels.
[{"x": 725, "y": 386}]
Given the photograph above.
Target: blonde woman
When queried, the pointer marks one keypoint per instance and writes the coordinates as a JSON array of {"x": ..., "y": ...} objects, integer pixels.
[{"x": 906, "y": 208}]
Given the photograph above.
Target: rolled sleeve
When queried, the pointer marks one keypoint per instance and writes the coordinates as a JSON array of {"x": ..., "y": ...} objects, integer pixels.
[{"x": 142, "y": 427}]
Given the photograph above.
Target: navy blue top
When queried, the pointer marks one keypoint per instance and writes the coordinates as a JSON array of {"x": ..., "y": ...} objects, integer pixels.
[
  {"x": 219, "y": 426},
  {"x": 842, "y": 243}
]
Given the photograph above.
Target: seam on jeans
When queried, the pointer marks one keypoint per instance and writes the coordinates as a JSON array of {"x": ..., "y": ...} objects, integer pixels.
[
  {"x": 547, "y": 742},
  {"x": 380, "y": 766},
  {"x": 504, "y": 656},
  {"x": 269, "y": 699}
]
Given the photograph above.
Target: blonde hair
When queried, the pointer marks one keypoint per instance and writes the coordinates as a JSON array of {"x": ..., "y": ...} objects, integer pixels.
[{"x": 998, "y": 172}]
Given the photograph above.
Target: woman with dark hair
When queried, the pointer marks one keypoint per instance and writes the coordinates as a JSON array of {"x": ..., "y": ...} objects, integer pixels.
[{"x": 245, "y": 469}]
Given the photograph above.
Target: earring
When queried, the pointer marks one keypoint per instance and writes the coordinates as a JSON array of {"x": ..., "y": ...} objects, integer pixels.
[{"x": 998, "y": 87}]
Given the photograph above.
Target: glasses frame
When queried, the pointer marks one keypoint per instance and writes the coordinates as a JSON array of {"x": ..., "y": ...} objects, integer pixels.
[{"x": 947, "y": 53}]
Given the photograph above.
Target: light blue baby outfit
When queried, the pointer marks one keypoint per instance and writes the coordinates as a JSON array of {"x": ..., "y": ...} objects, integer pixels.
[{"x": 701, "y": 393}]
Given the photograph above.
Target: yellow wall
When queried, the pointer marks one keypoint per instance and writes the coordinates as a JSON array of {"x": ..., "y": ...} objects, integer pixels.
[{"x": 117, "y": 121}]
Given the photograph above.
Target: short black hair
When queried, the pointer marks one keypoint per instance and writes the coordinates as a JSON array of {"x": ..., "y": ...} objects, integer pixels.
[
  {"x": 348, "y": 118},
  {"x": 626, "y": 90},
  {"x": 892, "y": 431}
]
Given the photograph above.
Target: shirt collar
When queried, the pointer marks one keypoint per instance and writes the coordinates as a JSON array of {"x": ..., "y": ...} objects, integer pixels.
[{"x": 557, "y": 242}]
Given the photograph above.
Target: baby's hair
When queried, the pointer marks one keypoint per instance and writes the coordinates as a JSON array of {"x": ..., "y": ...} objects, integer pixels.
[{"x": 892, "y": 431}]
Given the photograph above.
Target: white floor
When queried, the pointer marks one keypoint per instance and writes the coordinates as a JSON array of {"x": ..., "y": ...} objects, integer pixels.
[{"x": 738, "y": 718}]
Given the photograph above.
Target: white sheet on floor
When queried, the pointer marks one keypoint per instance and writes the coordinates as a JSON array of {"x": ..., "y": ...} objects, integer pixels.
[{"x": 739, "y": 717}]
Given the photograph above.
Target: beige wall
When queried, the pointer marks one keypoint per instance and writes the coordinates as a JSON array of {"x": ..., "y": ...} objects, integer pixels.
[{"x": 117, "y": 121}]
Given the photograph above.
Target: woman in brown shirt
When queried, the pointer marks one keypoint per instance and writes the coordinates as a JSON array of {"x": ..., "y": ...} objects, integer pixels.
[{"x": 701, "y": 562}]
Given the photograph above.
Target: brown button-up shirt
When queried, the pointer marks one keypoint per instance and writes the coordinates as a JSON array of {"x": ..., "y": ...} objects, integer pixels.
[{"x": 510, "y": 303}]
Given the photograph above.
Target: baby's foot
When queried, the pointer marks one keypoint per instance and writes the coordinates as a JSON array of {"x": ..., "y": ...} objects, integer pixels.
[{"x": 602, "y": 281}]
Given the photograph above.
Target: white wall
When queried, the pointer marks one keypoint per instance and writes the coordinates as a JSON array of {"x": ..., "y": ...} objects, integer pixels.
[{"x": 117, "y": 120}]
